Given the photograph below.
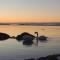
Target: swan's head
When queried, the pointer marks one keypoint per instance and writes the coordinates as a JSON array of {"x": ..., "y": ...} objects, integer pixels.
[{"x": 36, "y": 32}]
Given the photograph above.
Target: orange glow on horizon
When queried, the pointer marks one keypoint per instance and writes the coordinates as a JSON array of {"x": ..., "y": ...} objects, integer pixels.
[{"x": 11, "y": 20}]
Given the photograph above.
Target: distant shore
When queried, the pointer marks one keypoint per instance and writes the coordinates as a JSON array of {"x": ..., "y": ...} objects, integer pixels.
[{"x": 33, "y": 24}]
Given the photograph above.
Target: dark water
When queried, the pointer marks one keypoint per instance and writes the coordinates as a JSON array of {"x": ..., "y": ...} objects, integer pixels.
[{"x": 11, "y": 49}]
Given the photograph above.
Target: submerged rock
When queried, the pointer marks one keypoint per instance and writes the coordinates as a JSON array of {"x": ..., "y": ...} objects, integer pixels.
[
  {"x": 3, "y": 36},
  {"x": 25, "y": 36},
  {"x": 27, "y": 42}
]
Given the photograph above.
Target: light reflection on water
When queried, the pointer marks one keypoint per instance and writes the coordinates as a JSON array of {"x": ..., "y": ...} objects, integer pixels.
[{"x": 12, "y": 49}]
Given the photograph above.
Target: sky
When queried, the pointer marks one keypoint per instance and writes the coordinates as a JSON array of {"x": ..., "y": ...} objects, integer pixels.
[{"x": 29, "y": 11}]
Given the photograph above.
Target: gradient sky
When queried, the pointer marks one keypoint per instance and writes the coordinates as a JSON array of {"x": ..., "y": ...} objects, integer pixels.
[{"x": 29, "y": 11}]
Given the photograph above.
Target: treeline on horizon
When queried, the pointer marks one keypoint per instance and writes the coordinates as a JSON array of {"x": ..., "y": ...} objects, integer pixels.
[{"x": 33, "y": 24}]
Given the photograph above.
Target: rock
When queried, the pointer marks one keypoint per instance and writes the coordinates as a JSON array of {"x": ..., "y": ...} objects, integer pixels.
[
  {"x": 30, "y": 59},
  {"x": 41, "y": 58},
  {"x": 3, "y": 36},
  {"x": 27, "y": 42},
  {"x": 49, "y": 57},
  {"x": 25, "y": 36}
]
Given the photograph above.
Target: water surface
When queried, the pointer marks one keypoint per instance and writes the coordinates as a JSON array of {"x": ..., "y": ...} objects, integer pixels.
[{"x": 11, "y": 49}]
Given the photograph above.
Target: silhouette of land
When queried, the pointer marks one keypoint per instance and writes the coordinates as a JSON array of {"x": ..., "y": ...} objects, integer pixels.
[{"x": 34, "y": 24}]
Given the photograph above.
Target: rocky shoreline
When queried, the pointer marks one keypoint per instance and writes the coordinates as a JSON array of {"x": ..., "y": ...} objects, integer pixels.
[{"x": 49, "y": 57}]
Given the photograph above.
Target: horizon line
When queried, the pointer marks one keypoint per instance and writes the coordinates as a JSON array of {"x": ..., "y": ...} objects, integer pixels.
[{"x": 29, "y": 22}]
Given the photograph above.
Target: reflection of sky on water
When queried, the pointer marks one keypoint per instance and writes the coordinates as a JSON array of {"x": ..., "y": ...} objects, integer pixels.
[
  {"x": 12, "y": 49},
  {"x": 15, "y": 30}
]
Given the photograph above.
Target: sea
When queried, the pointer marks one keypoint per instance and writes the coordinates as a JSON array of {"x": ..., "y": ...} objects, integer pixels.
[{"x": 11, "y": 49}]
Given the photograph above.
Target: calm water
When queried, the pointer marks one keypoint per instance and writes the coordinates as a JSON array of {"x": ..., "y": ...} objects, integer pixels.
[{"x": 11, "y": 49}]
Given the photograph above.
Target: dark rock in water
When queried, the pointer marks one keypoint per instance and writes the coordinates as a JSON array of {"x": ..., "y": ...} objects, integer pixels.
[
  {"x": 30, "y": 59},
  {"x": 13, "y": 37},
  {"x": 3, "y": 36},
  {"x": 27, "y": 42},
  {"x": 41, "y": 58},
  {"x": 53, "y": 57},
  {"x": 25, "y": 36},
  {"x": 48, "y": 58},
  {"x": 42, "y": 38}
]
